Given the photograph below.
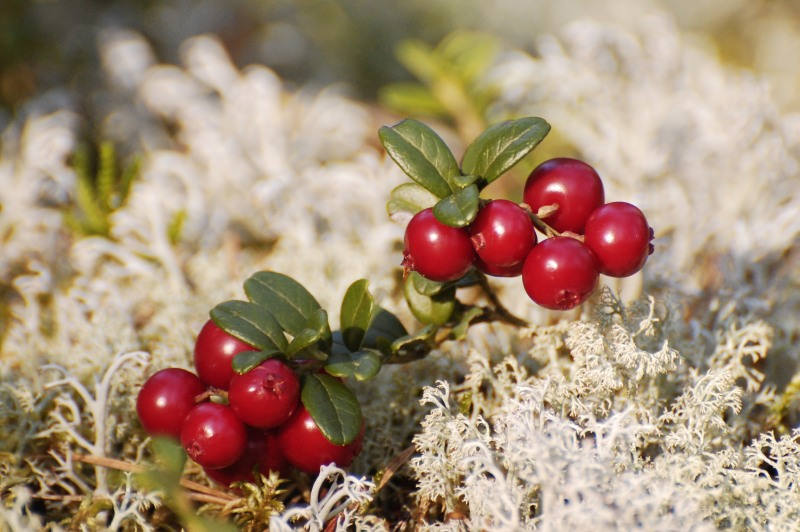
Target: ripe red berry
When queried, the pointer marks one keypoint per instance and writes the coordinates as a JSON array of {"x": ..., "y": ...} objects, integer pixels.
[
  {"x": 559, "y": 273},
  {"x": 213, "y": 436},
  {"x": 618, "y": 235},
  {"x": 262, "y": 454},
  {"x": 307, "y": 449},
  {"x": 165, "y": 399},
  {"x": 213, "y": 354},
  {"x": 502, "y": 233},
  {"x": 571, "y": 184},
  {"x": 266, "y": 395},
  {"x": 435, "y": 250}
]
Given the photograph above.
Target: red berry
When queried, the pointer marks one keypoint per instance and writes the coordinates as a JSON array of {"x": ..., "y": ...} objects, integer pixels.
[
  {"x": 571, "y": 184},
  {"x": 165, "y": 399},
  {"x": 499, "y": 271},
  {"x": 266, "y": 395},
  {"x": 502, "y": 234},
  {"x": 262, "y": 454},
  {"x": 213, "y": 436},
  {"x": 618, "y": 235},
  {"x": 435, "y": 250},
  {"x": 559, "y": 273},
  {"x": 307, "y": 449},
  {"x": 213, "y": 354}
]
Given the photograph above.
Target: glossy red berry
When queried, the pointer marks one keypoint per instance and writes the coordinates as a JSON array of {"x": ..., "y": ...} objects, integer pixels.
[
  {"x": 262, "y": 454},
  {"x": 559, "y": 273},
  {"x": 213, "y": 436},
  {"x": 618, "y": 235},
  {"x": 165, "y": 399},
  {"x": 502, "y": 234},
  {"x": 571, "y": 184},
  {"x": 266, "y": 395},
  {"x": 213, "y": 354},
  {"x": 435, "y": 250},
  {"x": 307, "y": 449}
]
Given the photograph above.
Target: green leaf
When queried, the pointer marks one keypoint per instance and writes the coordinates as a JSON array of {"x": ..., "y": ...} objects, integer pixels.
[
  {"x": 502, "y": 145},
  {"x": 419, "y": 59},
  {"x": 247, "y": 360},
  {"x": 411, "y": 198},
  {"x": 414, "y": 345},
  {"x": 425, "y": 286},
  {"x": 286, "y": 299},
  {"x": 249, "y": 323},
  {"x": 356, "y": 313},
  {"x": 333, "y": 407},
  {"x": 463, "y": 181},
  {"x": 460, "y": 330},
  {"x": 421, "y": 154},
  {"x": 363, "y": 364},
  {"x": 410, "y": 99},
  {"x": 435, "y": 309},
  {"x": 384, "y": 329},
  {"x": 458, "y": 209},
  {"x": 316, "y": 333}
]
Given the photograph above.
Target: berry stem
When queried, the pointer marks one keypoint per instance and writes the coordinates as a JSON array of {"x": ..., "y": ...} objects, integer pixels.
[
  {"x": 538, "y": 223},
  {"x": 499, "y": 312}
]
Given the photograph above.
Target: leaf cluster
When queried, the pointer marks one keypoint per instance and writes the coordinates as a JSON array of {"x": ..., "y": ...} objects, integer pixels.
[{"x": 282, "y": 319}]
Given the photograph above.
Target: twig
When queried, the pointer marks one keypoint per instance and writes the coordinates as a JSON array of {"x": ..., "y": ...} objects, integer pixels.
[
  {"x": 502, "y": 312},
  {"x": 121, "y": 465},
  {"x": 394, "y": 465}
]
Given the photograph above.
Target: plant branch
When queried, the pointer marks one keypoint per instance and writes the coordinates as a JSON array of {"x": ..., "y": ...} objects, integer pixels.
[{"x": 503, "y": 314}]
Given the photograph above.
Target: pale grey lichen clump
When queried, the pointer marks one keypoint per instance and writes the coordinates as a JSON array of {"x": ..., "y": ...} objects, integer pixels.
[{"x": 652, "y": 415}]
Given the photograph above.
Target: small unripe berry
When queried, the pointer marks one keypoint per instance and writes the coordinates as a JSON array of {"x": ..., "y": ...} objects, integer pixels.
[
  {"x": 435, "y": 250},
  {"x": 571, "y": 184},
  {"x": 559, "y": 273}
]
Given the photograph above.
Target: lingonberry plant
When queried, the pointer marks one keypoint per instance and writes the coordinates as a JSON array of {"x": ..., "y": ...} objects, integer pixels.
[
  {"x": 271, "y": 385},
  {"x": 563, "y": 199}
]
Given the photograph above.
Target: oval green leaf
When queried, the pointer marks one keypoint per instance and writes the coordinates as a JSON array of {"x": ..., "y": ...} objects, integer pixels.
[
  {"x": 502, "y": 145},
  {"x": 459, "y": 208},
  {"x": 421, "y": 154},
  {"x": 363, "y": 364},
  {"x": 384, "y": 329},
  {"x": 412, "y": 346},
  {"x": 316, "y": 333},
  {"x": 356, "y": 313},
  {"x": 426, "y": 286},
  {"x": 410, "y": 198},
  {"x": 249, "y": 323},
  {"x": 286, "y": 299},
  {"x": 333, "y": 407},
  {"x": 463, "y": 181},
  {"x": 459, "y": 332},
  {"x": 435, "y": 309},
  {"x": 247, "y": 360}
]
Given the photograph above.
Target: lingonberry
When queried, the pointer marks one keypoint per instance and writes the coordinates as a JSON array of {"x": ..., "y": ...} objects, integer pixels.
[
  {"x": 502, "y": 233},
  {"x": 213, "y": 354},
  {"x": 572, "y": 185},
  {"x": 165, "y": 399},
  {"x": 559, "y": 273},
  {"x": 262, "y": 454},
  {"x": 213, "y": 436},
  {"x": 307, "y": 449},
  {"x": 618, "y": 235},
  {"x": 266, "y": 395},
  {"x": 435, "y": 250},
  {"x": 499, "y": 271}
]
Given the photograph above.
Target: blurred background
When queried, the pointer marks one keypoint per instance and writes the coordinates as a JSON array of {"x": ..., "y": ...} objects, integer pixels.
[{"x": 48, "y": 45}]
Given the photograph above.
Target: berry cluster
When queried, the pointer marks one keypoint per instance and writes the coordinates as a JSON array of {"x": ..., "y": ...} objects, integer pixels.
[
  {"x": 263, "y": 427},
  {"x": 564, "y": 199}
]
